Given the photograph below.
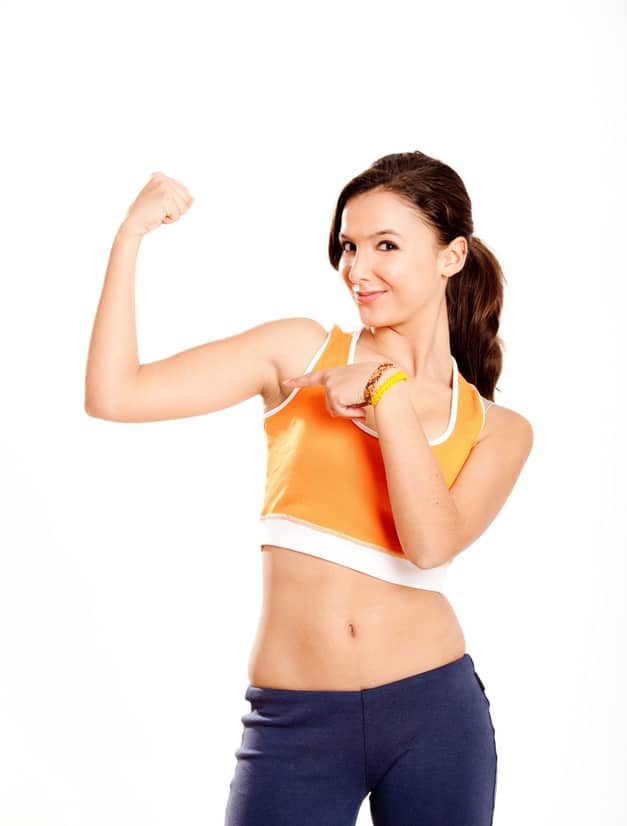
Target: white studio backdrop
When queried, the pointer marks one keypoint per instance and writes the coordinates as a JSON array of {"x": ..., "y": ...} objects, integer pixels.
[{"x": 130, "y": 574}]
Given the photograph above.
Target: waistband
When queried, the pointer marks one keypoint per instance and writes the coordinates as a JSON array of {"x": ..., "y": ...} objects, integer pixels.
[{"x": 462, "y": 665}]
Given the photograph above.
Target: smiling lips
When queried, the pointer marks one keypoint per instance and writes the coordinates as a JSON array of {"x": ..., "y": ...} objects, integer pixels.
[{"x": 367, "y": 297}]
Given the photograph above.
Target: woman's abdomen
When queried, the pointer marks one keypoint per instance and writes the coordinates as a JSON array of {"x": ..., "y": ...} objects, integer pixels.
[{"x": 327, "y": 627}]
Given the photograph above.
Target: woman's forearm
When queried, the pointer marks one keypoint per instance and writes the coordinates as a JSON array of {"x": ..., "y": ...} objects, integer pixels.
[
  {"x": 113, "y": 360},
  {"x": 424, "y": 511}
]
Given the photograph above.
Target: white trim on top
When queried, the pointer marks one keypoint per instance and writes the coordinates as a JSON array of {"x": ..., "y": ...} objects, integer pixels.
[
  {"x": 308, "y": 369},
  {"x": 483, "y": 411},
  {"x": 454, "y": 398},
  {"x": 486, "y": 404},
  {"x": 286, "y": 531}
]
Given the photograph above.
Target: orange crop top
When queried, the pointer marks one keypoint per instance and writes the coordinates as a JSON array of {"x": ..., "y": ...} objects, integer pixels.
[{"x": 326, "y": 490}]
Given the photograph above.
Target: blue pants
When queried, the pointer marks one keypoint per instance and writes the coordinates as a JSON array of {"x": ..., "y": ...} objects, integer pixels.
[{"x": 422, "y": 747}]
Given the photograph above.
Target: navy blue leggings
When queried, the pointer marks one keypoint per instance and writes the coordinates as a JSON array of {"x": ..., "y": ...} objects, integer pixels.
[{"x": 422, "y": 747}]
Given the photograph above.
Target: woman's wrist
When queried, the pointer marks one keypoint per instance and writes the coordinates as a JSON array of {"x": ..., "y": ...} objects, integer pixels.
[
  {"x": 127, "y": 231},
  {"x": 388, "y": 373}
]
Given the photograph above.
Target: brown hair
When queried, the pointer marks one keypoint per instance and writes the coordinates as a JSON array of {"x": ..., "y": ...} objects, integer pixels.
[{"x": 474, "y": 295}]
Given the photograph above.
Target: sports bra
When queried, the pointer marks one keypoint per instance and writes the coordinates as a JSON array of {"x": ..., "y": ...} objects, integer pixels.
[{"x": 326, "y": 491}]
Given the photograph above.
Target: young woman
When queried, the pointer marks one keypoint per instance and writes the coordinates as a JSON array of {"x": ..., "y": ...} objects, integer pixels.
[{"x": 386, "y": 459}]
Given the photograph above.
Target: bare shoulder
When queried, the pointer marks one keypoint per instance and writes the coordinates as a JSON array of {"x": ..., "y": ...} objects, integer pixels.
[
  {"x": 509, "y": 423},
  {"x": 296, "y": 341},
  {"x": 297, "y": 332}
]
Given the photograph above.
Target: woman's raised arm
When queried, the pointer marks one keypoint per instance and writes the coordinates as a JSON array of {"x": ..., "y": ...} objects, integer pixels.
[{"x": 202, "y": 379}]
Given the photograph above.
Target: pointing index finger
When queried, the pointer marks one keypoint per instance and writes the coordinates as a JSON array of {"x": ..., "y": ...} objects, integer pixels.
[{"x": 307, "y": 378}]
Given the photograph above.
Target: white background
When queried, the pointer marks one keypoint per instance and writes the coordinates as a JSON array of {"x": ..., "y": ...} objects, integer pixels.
[{"x": 130, "y": 572}]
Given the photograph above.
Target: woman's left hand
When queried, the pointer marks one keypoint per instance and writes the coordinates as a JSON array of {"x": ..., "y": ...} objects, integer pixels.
[{"x": 344, "y": 387}]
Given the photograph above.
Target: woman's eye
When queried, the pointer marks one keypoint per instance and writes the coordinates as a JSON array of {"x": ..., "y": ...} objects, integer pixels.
[{"x": 343, "y": 245}]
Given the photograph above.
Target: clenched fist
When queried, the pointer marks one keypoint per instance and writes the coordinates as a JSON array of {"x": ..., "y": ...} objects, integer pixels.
[{"x": 162, "y": 201}]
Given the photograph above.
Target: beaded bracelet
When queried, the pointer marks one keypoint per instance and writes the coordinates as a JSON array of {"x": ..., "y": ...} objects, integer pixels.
[
  {"x": 374, "y": 378},
  {"x": 393, "y": 379}
]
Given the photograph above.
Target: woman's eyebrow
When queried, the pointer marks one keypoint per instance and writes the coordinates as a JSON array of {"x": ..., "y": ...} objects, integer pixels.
[{"x": 374, "y": 234}]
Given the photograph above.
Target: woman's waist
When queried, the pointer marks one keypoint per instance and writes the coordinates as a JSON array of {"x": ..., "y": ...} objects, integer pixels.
[
  {"x": 338, "y": 650},
  {"x": 304, "y": 593},
  {"x": 340, "y": 628},
  {"x": 323, "y": 622}
]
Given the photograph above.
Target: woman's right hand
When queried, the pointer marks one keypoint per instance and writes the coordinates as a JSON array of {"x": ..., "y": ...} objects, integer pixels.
[{"x": 162, "y": 201}]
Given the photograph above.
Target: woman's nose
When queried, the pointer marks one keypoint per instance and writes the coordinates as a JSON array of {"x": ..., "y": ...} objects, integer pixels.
[{"x": 359, "y": 270}]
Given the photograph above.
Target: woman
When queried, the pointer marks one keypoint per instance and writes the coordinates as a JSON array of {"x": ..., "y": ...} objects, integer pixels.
[{"x": 383, "y": 464}]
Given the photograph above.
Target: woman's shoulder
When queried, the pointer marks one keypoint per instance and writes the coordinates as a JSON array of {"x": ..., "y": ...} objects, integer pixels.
[
  {"x": 296, "y": 341},
  {"x": 503, "y": 420},
  {"x": 296, "y": 338}
]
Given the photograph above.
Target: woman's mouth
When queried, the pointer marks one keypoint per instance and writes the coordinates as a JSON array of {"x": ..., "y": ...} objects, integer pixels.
[{"x": 366, "y": 298}]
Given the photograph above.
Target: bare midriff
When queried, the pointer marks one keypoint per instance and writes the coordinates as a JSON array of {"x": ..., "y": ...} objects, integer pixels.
[
  {"x": 327, "y": 627},
  {"x": 324, "y": 626}
]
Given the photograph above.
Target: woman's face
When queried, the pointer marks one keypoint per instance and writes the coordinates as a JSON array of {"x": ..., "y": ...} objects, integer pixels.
[{"x": 404, "y": 261}]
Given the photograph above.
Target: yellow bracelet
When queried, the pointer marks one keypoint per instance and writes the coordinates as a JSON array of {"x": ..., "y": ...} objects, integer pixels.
[{"x": 376, "y": 396}]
